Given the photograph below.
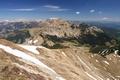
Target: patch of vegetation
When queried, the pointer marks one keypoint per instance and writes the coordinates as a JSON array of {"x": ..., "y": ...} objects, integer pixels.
[
  {"x": 55, "y": 46},
  {"x": 18, "y": 36},
  {"x": 58, "y": 46},
  {"x": 54, "y": 38}
]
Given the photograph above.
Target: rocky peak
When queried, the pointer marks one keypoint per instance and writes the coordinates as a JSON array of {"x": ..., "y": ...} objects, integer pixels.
[{"x": 56, "y": 22}]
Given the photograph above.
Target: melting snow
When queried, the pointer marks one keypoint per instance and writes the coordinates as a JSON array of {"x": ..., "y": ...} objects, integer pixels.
[
  {"x": 64, "y": 54},
  {"x": 30, "y": 42},
  {"x": 83, "y": 63},
  {"x": 116, "y": 51},
  {"x": 27, "y": 57},
  {"x": 106, "y": 62},
  {"x": 91, "y": 76},
  {"x": 31, "y": 48},
  {"x": 35, "y": 41}
]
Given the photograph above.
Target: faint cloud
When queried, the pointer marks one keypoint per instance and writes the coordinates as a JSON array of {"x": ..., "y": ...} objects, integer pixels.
[
  {"x": 55, "y": 8},
  {"x": 106, "y": 18},
  {"x": 60, "y": 9},
  {"x": 77, "y": 12},
  {"x": 51, "y": 6},
  {"x": 27, "y": 9},
  {"x": 92, "y": 11}
]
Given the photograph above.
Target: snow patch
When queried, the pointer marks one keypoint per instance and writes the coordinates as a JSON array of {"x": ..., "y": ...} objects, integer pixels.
[
  {"x": 64, "y": 54},
  {"x": 91, "y": 76},
  {"x": 106, "y": 62},
  {"x": 30, "y": 42},
  {"x": 35, "y": 41},
  {"x": 83, "y": 62},
  {"x": 27, "y": 57},
  {"x": 31, "y": 48},
  {"x": 116, "y": 52}
]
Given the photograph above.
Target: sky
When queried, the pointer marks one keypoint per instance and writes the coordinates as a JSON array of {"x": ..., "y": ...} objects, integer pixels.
[{"x": 93, "y": 10}]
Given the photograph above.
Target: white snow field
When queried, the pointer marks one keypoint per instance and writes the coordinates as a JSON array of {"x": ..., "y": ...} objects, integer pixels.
[{"x": 27, "y": 57}]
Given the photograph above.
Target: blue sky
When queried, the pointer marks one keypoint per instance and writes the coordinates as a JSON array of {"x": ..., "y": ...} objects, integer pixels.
[{"x": 108, "y": 10}]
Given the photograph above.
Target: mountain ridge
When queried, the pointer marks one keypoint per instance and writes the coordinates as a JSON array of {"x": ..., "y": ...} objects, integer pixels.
[{"x": 79, "y": 63}]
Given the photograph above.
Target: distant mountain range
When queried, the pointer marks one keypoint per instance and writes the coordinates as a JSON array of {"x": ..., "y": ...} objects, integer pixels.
[
  {"x": 107, "y": 24},
  {"x": 58, "y": 33},
  {"x": 55, "y": 49}
]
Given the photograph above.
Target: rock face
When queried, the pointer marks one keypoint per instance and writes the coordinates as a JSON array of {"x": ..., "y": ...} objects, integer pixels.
[
  {"x": 53, "y": 27},
  {"x": 27, "y": 62},
  {"x": 57, "y": 31}
]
